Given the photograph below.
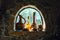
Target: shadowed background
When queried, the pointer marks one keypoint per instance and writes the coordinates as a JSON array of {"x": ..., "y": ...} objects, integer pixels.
[{"x": 49, "y": 8}]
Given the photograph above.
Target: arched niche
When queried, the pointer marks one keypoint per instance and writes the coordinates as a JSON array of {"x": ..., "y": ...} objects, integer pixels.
[{"x": 26, "y": 11}]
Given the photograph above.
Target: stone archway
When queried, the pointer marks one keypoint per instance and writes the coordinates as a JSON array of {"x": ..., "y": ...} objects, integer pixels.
[{"x": 30, "y": 6}]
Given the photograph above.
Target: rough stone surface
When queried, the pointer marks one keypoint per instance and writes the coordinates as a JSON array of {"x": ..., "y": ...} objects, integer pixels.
[{"x": 49, "y": 8}]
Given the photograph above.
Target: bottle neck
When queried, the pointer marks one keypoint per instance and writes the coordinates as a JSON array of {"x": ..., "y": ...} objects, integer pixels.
[{"x": 34, "y": 23}]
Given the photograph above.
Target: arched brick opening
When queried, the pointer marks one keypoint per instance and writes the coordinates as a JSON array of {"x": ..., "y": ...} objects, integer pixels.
[{"x": 31, "y": 6}]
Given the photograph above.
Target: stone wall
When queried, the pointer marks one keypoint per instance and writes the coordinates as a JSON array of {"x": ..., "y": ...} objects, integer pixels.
[{"x": 49, "y": 9}]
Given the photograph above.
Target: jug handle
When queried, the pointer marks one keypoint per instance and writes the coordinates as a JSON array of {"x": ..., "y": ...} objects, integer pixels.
[{"x": 23, "y": 18}]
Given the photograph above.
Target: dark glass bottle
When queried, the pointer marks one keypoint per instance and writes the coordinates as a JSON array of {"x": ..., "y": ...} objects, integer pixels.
[{"x": 34, "y": 22}]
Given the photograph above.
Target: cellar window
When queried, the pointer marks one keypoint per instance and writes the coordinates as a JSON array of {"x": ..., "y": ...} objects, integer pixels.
[{"x": 29, "y": 18}]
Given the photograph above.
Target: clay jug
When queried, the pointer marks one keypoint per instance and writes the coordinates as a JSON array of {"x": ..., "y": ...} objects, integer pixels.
[{"x": 20, "y": 25}]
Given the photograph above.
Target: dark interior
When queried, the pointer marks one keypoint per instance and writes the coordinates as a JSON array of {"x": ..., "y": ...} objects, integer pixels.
[{"x": 49, "y": 8}]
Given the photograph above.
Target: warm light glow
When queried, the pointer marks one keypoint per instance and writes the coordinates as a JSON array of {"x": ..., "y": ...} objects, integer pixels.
[{"x": 28, "y": 26}]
